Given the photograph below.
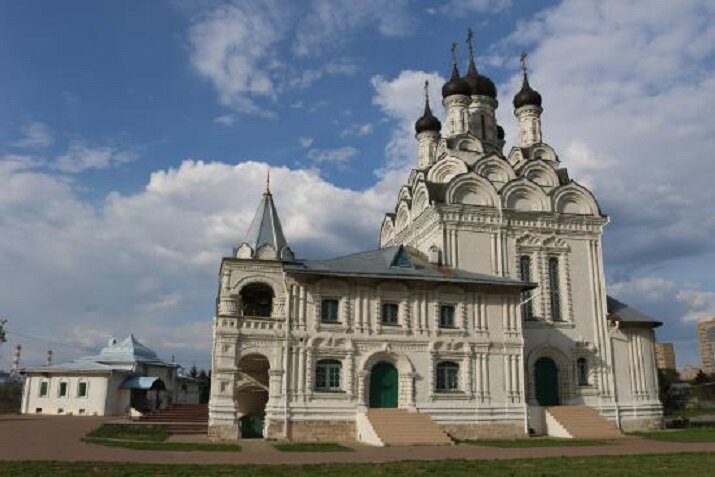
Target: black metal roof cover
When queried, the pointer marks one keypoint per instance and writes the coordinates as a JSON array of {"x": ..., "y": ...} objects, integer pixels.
[
  {"x": 619, "y": 311},
  {"x": 399, "y": 262}
]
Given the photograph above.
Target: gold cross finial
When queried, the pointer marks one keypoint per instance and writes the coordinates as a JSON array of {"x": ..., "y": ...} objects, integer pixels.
[
  {"x": 470, "y": 37},
  {"x": 426, "y": 91},
  {"x": 268, "y": 181},
  {"x": 453, "y": 49}
]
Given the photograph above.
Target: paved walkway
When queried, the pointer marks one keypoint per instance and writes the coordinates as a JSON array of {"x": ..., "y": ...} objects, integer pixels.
[{"x": 57, "y": 438}]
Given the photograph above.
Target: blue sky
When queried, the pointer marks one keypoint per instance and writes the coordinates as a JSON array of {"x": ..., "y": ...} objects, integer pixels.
[{"x": 134, "y": 138}]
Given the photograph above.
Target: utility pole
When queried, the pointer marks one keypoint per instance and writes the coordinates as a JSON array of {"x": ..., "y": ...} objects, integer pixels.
[{"x": 3, "y": 334}]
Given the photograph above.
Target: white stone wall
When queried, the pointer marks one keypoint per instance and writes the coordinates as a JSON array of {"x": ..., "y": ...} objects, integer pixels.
[
  {"x": 94, "y": 404},
  {"x": 487, "y": 344}
]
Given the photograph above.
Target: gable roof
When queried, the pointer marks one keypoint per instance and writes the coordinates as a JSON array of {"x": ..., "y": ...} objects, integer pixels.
[
  {"x": 397, "y": 262},
  {"x": 621, "y": 312}
]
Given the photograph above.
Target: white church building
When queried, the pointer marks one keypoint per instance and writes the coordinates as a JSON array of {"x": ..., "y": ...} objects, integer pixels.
[{"x": 483, "y": 311}]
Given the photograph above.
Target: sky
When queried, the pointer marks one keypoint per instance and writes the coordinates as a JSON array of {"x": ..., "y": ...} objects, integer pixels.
[{"x": 135, "y": 138}]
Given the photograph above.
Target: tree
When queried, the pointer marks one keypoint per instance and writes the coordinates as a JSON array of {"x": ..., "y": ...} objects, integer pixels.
[{"x": 701, "y": 378}]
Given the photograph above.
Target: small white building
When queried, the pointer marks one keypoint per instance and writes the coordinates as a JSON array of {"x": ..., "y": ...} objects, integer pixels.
[{"x": 125, "y": 374}]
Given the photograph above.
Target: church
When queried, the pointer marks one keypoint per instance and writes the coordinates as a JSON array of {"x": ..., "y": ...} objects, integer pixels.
[{"x": 482, "y": 314}]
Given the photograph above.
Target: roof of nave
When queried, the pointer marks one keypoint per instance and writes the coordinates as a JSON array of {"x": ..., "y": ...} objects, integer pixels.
[
  {"x": 621, "y": 312},
  {"x": 397, "y": 262}
]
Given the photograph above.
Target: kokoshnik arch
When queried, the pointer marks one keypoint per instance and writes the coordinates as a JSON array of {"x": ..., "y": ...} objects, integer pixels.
[{"x": 484, "y": 304}]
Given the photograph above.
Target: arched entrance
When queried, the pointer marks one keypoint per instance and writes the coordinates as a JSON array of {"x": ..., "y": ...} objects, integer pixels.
[
  {"x": 546, "y": 381},
  {"x": 252, "y": 394},
  {"x": 383, "y": 385}
]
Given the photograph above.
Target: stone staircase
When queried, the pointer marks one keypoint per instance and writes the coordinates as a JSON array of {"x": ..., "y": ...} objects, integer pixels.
[
  {"x": 180, "y": 418},
  {"x": 579, "y": 422},
  {"x": 398, "y": 427}
]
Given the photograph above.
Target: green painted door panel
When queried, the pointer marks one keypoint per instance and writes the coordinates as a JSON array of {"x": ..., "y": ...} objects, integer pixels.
[
  {"x": 252, "y": 426},
  {"x": 546, "y": 379},
  {"x": 383, "y": 385}
]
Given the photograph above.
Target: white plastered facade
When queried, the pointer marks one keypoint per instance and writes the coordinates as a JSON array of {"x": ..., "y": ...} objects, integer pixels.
[{"x": 468, "y": 207}]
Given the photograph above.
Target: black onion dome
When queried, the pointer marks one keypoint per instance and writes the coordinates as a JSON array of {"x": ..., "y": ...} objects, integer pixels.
[
  {"x": 456, "y": 85},
  {"x": 479, "y": 84},
  {"x": 500, "y": 132},
  {"x": 427, "y": 122},
  {"x": 526, "y": 95}
]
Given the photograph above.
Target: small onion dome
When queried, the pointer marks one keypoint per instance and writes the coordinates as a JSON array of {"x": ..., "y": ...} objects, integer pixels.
[
  {"x": 500, "y": 132},
  {"x": 479, "y": 85},
  {"x": 527, "y": 96},
  {"x": 427, "y": 122},
  {"x": 456, "y": 85}
]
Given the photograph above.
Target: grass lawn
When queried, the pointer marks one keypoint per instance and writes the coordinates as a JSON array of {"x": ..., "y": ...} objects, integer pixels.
[
  {"x": 691, "y": 413},
  {"x": 603, "y": 466},
  {"x": 694, "y": 434},
  {"x": 130, "y": 432},
  {"x": 311, "y": 447},
  {"x": 539, "y": 442}
]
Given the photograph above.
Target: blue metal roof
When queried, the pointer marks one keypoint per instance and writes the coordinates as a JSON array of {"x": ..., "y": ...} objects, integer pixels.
[{"x": 140, "y": 382}]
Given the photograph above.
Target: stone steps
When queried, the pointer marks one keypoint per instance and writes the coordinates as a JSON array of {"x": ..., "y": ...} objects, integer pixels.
[
  {"x": 584, "y": 422},
  {"x": 397, "y": 427}
]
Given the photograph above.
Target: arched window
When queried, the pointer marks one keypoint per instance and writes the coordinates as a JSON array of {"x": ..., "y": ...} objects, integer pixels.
[
  {"x": 327, "y": 375},
  {"x": 257, "y": 300},
  {"x": 447, "y": 376},
  {"x": 582, "y": 370}
]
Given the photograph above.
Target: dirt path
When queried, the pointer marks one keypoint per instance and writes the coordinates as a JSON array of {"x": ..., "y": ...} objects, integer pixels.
[{"x": 57, "y": 438}]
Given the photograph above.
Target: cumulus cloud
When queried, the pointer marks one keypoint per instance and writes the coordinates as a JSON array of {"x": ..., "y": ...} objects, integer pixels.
[
  {"x": 232, "y": 45},
  {"x": 146, "y": 262},
  {"x": 80, "y": 157},
  {"x": 35, "y": 135},
  {"x": 623, "y": 86},
  {"x": 401, "y": 99}
]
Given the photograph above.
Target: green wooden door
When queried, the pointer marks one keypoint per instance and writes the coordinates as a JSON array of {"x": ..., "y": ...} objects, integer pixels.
[
  {"x": 252, "y": 426},
  {"x": 546, "y": 379},
  {"x": 383, "y": 385}
]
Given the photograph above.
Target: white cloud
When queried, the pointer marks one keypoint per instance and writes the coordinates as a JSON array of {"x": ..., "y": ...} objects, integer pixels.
[
  {"x": 330, "y": 23},
  {"x": 401, "y": 99},
  {"x": 234, "y": 46},
  {"x": 358, "y": 130},
  {"x": 35, "y": 135},
  {"x": 685, "y": 301},
  {"x": 466, "y": 7},
  {"x": 305, "y": 142},
  {"x": 339, "y": 156},
  {"x": 624, "y": 84},
  {"x": 80, "y": 157},
  {"x": 307, "y": 77},
  {"x": 146, "y": 262},
  {"x": 225, "y": 120}
]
